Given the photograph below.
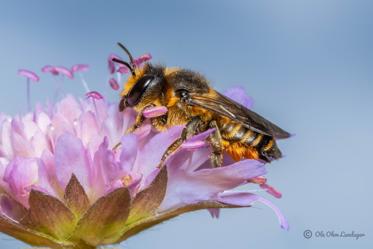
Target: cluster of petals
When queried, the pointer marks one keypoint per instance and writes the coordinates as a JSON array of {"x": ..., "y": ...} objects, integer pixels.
[{"x": 70, "y": 178}]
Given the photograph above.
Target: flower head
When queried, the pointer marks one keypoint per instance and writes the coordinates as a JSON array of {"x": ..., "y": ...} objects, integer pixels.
[{"x": 65, "y": 182}]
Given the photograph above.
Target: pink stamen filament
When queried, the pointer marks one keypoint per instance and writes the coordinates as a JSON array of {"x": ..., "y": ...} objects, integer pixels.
[
  {"x": 58, "y": 79},
  {"x": 119, "y": 77},
  {"x": 28, "y": 94},
  {"x": 84, "y": 82}
]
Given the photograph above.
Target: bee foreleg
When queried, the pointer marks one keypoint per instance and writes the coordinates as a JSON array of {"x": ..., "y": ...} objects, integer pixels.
[
  {"x": 160, "y": 123},
  {"x": 214, "y": 140},
  {"x": 191, "y": 129},
  {"x": 139, "y": 120}
]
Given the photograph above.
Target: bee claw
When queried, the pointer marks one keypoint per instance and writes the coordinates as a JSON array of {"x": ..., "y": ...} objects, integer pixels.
[
  {"x": 117, "y": 146},
  {"x": 131, "y": 129},
  {"x": 160, "y": 165},
  {"x": 216, "y": 159}
]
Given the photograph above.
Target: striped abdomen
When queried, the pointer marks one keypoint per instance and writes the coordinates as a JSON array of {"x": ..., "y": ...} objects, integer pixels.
[{"x": 242, "y": 142}]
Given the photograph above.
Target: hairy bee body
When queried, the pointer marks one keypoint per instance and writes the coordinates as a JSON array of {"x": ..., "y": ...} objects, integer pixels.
[
  {"x": 241, "y": 142},
  {"x": 191, "y": 101}
]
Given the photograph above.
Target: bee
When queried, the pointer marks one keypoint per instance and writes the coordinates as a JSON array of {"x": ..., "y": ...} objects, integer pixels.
[{"x": 192, "y": 102}]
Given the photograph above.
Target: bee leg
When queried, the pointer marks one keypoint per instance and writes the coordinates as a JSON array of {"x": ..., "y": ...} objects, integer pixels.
[
  {"x": 160, "y": 123},
  {"x": 139, "y": 120},
  {"x": 192, "y": 128},
  {"x": 214, "y": 140}
]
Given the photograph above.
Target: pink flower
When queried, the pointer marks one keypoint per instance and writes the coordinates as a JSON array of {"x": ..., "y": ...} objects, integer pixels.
[
  {"x": 71, "y": 178},
  {"x": 239, "y": 95}
]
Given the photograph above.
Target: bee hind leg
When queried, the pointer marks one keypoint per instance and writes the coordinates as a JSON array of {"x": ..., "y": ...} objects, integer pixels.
[
  {"x": 214, "y": 140},
  {"x": 192, "y": 128}
]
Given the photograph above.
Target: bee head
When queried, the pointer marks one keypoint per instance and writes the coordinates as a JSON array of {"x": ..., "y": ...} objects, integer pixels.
[
  {"x": 145, "y": 90},
  {"x": 143, "y": 86}
]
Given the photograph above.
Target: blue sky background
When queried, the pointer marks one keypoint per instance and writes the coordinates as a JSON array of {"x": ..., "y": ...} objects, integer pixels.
[{"x": 307, "y": 63}]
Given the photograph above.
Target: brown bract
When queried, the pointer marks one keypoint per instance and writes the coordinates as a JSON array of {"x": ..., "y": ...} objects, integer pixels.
[{"x": 73, "y": 222}]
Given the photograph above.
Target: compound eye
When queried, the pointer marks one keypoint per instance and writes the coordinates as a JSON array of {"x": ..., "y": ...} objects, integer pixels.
[
  {"x": 134, "y": 96},
  {"x": 183, "y": 94}
]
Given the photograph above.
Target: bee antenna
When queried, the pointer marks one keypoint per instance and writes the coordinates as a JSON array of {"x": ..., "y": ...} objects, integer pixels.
[
  {"x": 127, "y": 52},
  {"x": 124, "y": 63}
]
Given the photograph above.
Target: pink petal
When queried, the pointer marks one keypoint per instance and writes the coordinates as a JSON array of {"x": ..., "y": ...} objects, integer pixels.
[
  {"x": 129, "y": 145},
  {"x": 153, "y": 112},
  {"x": 94, "y": 95},
  {"x": 89, "y": 128},
  {"x": 45, "y": 180},
  {"x": 114, "y": 84},
  {"x": 79, "y": 68},
  {"x": 143, "y": 131},
  {"x": 214, "y": 212},
  {"x": 20, "y": 144},
  {"x": 69, "y": 108},
  {"x": 21, "y": 174},
  {"x": 197, "y": 141},
  {"x": 105, "y": 170},
  {"x": 29, "y": 75},
  {"x": 271, "y": 190},
  {"x": 239, "y": 95},
  {"x": 154, "y": 150},
  {"x": 247, "y": 199},
  {"x": 189, "y": 186},
  {"x": 71, "y": 158}
]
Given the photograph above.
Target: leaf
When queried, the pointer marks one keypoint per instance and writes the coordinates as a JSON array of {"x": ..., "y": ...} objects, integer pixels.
[
  {"x": 147, "y": 201},
  {"x": 75, "y": 197},
  {"x": 141, "y": 225},
  {"x": 106, "y": 216},
  {"x": 49, "y": 215}
]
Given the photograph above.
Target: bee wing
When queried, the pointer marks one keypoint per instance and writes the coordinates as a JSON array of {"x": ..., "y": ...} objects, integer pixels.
[{"x": 220, "y": 104}]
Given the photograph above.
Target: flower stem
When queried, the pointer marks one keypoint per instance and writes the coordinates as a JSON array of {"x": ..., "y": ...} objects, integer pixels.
[{"x": 57, "y": 91}]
